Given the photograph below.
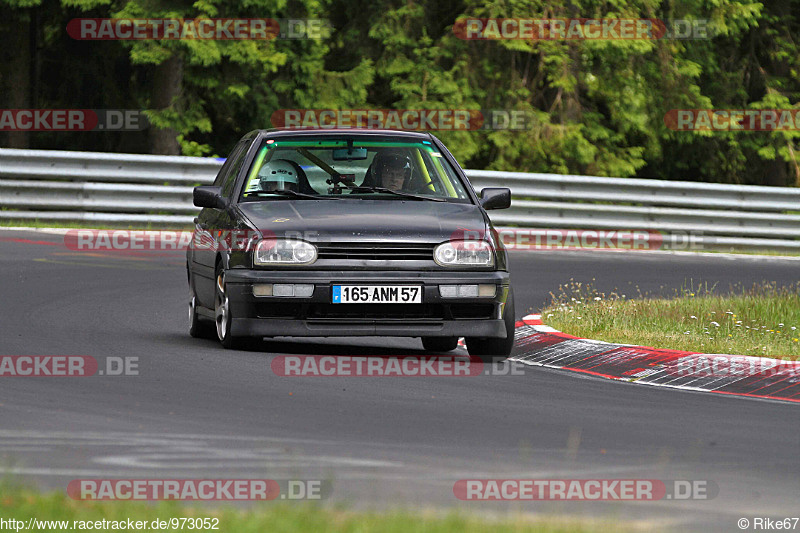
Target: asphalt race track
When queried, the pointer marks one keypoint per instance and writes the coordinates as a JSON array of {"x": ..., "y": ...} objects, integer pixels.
[{"x": 198, "y": 411}]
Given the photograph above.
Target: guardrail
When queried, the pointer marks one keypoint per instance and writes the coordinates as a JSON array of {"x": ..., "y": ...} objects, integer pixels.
[{"x": 127, "y": 189}]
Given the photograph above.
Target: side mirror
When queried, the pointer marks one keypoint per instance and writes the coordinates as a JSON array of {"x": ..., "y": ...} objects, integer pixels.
[
  {"x": 209, "y": 196},
  {"x": 495, "y": 198}
]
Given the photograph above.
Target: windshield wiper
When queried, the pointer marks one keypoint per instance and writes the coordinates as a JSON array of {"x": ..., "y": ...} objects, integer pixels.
[
  {"x": 398, "y": 193},
  {"x": 292, "y": 194}
]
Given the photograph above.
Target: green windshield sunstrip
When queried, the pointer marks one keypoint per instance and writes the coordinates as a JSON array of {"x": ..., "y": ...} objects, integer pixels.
[{"x": 361, "y": 144}]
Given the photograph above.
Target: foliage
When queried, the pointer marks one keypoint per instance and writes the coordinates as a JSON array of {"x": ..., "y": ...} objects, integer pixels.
[{"x": 598, "y": 106}]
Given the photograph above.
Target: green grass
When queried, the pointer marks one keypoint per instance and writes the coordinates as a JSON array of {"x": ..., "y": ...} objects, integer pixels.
[
  {"x": 762, "y": 320},
  {"x": 23, "y": 504}
]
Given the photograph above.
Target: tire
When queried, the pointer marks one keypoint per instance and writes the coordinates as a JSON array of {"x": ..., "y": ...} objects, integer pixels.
[
  {"x": 489, "y": 349},
  {"x": 199, "y": 327},
  {"x": 440, "y": 344},
  {"x": 222, "y": 315}
]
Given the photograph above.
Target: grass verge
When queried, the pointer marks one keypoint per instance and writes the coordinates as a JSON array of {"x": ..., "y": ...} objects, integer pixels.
[
  {"x": 24, "y": 504},
  {"x": 762, "y": 320}
]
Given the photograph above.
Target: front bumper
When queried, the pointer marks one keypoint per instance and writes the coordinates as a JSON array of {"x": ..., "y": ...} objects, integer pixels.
[{"x": 316, "y": 316}]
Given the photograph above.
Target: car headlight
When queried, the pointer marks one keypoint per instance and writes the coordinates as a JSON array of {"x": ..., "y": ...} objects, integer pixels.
[
  {"x": 464, "y": 253},
  {"x": 284, "y": 252}
]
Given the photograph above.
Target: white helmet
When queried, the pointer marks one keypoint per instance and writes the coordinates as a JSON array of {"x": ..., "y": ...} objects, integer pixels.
[{"x": 279, "y": 175}]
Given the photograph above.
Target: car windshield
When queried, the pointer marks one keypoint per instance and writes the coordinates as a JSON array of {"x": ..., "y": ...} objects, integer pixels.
[{"x": 342, "y": 167}]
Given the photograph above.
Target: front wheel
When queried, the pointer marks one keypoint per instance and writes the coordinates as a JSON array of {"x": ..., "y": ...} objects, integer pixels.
[
  {"x": 490, "y": 348},
  {"x": 198, "y": 327},
  {"x": 222, "y": 315}
]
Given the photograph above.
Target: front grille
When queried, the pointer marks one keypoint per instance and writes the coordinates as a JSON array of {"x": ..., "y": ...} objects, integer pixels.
[{"x": 377, "y": 251}]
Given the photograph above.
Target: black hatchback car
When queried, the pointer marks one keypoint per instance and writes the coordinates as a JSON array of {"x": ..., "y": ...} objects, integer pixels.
[{"x": 320, "y": 233}]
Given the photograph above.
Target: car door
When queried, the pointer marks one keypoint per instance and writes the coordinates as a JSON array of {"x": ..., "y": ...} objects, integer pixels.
[{"x": 210, "y": 222}]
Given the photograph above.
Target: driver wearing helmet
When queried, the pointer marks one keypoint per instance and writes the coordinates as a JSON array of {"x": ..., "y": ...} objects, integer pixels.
[
  {"x": 279, "y": 175},
  {"x": 393, "y": 170}
]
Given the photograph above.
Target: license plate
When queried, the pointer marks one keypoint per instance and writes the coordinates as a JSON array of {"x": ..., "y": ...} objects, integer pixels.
[{"x": 377, "y": 294}]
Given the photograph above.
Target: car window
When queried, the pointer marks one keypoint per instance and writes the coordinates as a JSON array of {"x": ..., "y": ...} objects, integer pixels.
[
  {"x": 315, "y": 175},
  {"x": 314, "y": 166},
  {"x": 226, "y": 166},
  {"x": 236, "y": 166}
]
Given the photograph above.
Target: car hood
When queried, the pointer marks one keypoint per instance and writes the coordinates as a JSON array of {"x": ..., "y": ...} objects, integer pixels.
[{"x": 366, "y": 220}]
